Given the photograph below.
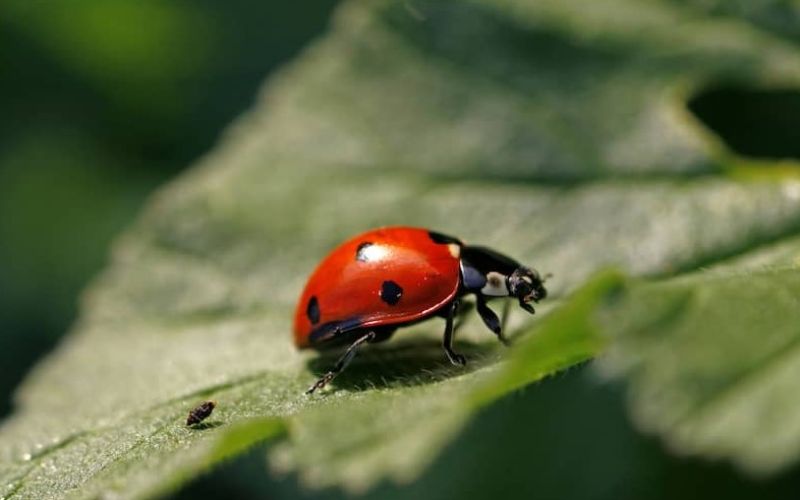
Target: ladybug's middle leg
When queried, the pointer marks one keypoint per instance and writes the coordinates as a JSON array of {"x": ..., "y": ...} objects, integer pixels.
[
  {"x": 447, "y": 341},
  {"x": 463, "y": 310},
  {"x": 342, "y": 363}
]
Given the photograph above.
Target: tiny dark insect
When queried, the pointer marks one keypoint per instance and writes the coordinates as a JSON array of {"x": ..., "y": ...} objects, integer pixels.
[{"x": 200, "y": 413}]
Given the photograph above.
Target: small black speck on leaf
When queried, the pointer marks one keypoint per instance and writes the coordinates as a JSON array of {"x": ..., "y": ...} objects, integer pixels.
[{"x": 200, "y": 413}]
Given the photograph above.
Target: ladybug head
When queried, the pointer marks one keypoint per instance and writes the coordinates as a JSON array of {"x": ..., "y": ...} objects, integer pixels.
[{"x": 526, "y": 285}]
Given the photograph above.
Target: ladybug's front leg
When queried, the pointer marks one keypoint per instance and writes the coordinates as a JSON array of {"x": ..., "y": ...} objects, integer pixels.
[
  {"x": 491, "y": 320},
  {"x": 342, "y": 363},
  {"x": 447, "y": 341}
]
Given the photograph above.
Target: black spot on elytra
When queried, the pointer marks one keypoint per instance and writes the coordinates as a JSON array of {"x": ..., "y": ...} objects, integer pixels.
[
  {"x": 391, "y": 292},
  {"x": 361, "y": 255},
  {"x": 443, "y": 239},
  {"x": 312, "y": 310}
]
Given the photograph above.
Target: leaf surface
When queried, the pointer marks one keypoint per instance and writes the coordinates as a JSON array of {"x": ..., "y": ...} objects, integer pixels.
[{"x": 555, "y": 132}]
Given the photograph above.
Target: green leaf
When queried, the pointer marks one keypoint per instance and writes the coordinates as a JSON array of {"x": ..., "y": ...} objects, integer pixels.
[
  {"x": 452, "y": 115},
  {"x": 713, "y": 362}
]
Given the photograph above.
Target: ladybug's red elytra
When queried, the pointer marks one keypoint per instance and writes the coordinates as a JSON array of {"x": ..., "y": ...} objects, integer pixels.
[{"x": 381, "y": 280}]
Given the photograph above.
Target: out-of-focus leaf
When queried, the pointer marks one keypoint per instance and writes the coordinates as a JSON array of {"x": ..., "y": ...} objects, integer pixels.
[
  {"x": 451, "y": 115},
  {"x": 713, "y": 363},
  {"x": 134, "y": 54}
]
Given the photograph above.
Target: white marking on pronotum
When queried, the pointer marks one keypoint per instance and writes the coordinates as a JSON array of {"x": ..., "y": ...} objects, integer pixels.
[
  {"x": 455, "y": 250},
  {"x": 495, "y": 285}
]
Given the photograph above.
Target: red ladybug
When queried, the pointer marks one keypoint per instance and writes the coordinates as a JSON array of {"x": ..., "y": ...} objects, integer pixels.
[{"x": 383, "y": 279}]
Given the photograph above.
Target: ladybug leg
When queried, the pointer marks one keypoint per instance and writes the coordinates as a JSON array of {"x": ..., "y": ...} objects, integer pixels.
[
  {"x": 490, "y": 319},
  {"x": 504, "y": 315},
  {"x": 526, "y": 306},
  {"x": 447, "y": 342},
  {"x": 342, "y": 363},
  {"x": 463, "y": 310}
]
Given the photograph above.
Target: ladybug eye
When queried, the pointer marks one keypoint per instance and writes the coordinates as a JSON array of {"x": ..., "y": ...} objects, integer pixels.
[{"x": 521, "y": 283}]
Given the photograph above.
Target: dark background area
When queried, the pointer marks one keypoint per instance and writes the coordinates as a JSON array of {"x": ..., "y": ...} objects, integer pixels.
[{"x": 101, "y": 101}]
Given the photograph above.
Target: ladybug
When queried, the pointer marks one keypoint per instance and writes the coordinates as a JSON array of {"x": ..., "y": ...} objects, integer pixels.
[{"x": 391, "y": 277}]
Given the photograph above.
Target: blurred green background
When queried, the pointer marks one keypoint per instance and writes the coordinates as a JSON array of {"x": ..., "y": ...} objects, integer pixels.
[
  {"x": 101, "y": 101},
  {"x": 104, "y": 100}
]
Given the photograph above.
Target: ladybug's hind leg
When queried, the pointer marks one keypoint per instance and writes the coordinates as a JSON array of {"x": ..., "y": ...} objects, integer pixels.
[
  {"x": 342, "y": 363},
  {"x": 447, "y": 341}
]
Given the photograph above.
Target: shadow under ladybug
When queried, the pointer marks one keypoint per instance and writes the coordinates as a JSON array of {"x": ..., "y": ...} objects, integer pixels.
[{"x": 409, "y": 362}]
